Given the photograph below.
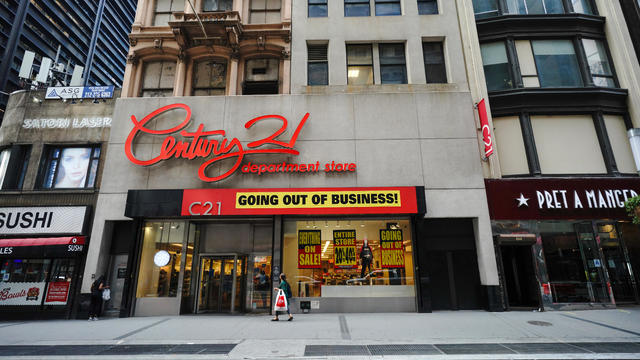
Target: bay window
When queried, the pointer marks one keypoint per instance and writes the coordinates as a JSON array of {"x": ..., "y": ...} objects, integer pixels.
[
  {"x": 496, "y": 66},
  {"x": 557, "y": 63}
]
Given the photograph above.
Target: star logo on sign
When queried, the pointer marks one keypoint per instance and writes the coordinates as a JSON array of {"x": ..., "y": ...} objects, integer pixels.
[{"x": 522, "y": 201}]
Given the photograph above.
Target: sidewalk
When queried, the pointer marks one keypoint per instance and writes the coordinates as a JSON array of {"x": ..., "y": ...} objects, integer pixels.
[{"x": 257, "y": 337}]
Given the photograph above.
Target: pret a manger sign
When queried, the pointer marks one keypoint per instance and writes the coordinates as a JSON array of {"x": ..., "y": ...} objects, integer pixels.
[{"x": 213, "y": 146}]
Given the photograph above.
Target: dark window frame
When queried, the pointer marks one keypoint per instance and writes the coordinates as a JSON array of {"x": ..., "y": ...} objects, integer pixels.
[
  {"x": 428, "y": 2},
  {"x": 264, "y": 11},
  {"x": 317, "y": 4},
  {"x": 226, "y": 75},
  {"x": 158, "y": 89},
  {"x": 382, "y": 65},
  {"x": 318, "y": 61},
  {"x": 19, "y": 156},
  {"x": 373, "y": 82},
  {"x": 217, "y": 10},
  {"x": 444, "y": 62},
  {"x": 355, "y": 3},
  {"x": 385, "y": 2},
  {"x": 502, "y": 9},
  {"x": 48, "y": 158}
]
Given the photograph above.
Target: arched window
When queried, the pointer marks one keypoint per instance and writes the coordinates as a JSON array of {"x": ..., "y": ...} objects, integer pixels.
[
  {"x": 158, "y": 79},
  {"x": 209, "y": 78},
  {"x": 261, "y": 76}
]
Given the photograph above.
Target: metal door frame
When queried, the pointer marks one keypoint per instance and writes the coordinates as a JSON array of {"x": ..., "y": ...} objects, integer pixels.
[{"x": 234, "y": 280}]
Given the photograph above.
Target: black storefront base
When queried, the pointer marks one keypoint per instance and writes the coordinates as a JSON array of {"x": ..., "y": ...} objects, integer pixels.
[{"x": 494, "y": 303}]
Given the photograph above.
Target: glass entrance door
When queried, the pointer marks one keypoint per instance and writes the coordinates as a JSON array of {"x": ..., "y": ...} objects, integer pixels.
[
  {"x": 220, "y": 287},
  {"x": 617, "y": 263}
]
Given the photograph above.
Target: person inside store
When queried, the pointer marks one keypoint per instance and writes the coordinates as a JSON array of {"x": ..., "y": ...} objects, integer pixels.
[
  {"x": 366, "y": 258},
  {"x": 95, "y": 306},
  {"x": 263, "y": 287},
  {"x": 73, "y": 167},
  {"x": 284, "y": 286}
]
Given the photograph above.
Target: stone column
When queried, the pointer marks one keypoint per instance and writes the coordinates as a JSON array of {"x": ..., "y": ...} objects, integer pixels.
[
  {"x": 233, "y": 75},
  {"x": 181, "y": 72}
]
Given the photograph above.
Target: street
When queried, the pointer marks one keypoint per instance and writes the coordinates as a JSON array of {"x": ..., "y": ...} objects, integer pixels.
[{"x": 592, "y": 334}]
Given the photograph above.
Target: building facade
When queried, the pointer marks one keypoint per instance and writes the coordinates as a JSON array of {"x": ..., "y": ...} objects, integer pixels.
[
  {"x": 51, "y": 161},
  {"x": 89, "y": 34},
  {"x": 563, "y": 87},
  {"x": 353, "y": 166}
]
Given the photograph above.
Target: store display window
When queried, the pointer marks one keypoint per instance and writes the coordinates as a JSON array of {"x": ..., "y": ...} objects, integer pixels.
[
  {"x": 349, "y": 258},
  {"x": 161, "y": 258}
]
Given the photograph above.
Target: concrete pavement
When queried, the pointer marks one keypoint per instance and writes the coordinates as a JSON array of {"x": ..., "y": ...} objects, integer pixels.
[{"x": 257, "y": 337}]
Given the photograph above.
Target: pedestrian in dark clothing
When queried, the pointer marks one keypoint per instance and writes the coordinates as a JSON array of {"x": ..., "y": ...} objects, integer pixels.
[
  {"x": 284, "y": 286},
  {"x": 96, "y": 298}
]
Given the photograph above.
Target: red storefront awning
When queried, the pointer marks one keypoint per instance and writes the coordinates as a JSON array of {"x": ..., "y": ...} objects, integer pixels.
[{"x": 70, "y": 240}]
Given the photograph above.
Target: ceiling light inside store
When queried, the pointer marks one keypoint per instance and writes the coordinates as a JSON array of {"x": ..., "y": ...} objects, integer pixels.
[
  {"x": 354, "y": 73},
  {"x": 326, "y": 245}
]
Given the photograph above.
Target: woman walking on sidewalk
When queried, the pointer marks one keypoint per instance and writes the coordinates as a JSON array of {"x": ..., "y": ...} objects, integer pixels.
[{"x": 284, "y": 286}]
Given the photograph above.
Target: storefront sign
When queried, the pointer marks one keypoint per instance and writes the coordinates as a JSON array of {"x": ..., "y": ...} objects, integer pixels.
[
  {"x": 200, "y": 145},
  {"x": 560, "y": 198},
  {"x": 79, "y": 92},
  {"x": 391, "y": 248},
  {"x": 486, "y": 129},
  {"x": 43, "y": 247},
  {"x": 214, "y": 202},
  {"x": 21, "y": 293},
  {"x": 67, "y": 123},
  {"x": 344, "y": 249},
  {"x": 42, "y": 220},
  {"x": 57, "y": 293},
  {"x": 309, "y": 249}
]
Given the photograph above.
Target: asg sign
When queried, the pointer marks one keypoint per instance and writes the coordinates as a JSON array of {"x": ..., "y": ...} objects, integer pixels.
[
  {"x": 213, "y": 146},
  {"x": 42, "y": 220}
]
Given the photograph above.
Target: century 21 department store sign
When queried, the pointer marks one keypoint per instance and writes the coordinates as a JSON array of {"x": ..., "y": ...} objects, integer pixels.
[{"x": 213, "y": 146}]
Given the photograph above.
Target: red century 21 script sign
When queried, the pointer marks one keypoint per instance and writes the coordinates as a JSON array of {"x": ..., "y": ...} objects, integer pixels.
[{"x": 198, "y": 145}]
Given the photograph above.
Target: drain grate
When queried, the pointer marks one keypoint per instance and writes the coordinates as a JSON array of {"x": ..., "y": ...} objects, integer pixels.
[
  {"x": 461, "y": 349},
  {"x": 336, "y": 350},
  {"x": 115, "y": 350},
  {"x": 410, "y": 349},
  {"x": 539, "y": 323}
]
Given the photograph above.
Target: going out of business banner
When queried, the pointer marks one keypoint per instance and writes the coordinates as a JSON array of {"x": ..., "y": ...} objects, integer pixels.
[
  {"x": 309, "y": 249},
  {"x": 391, "y": 248},
  {"x": 344, "y": 249},
  {"x": 375, "y": 200}
]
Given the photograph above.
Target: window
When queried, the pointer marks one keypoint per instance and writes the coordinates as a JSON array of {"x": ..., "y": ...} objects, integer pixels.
[
  {"x": 359, "y": 64},
  {"x": 557, "y": 63},
  {"x": 13, "y": 166},
  {"x": 265, "y": 12},
  {"x": 217, "y": 5},
  {"x": 535, "y": 7},
  {"x": 393, "y": 67},
  {"x": 160, "y": 259},
  {"x": 317, "y": 8},
  {"x": 582, "y": 7},
  {"x": 387, "y": 7},
  {"x": 339, "y": 258},
  {"x": 158, "y": 79},
  {"x": 434, "y": 62},
  {"x": 496, "y": 66},
  {"x": 598, "y": 63},
  {"x": 427, "y": 7},
  {"x": 72, "y": 167},
  {"x": 552, "y": 134},
  {"x": 485, "y": 8},
  {"x": 209, "y": 78},
  {"x": 261, "y": 76},
  {"x": 357, "y": 8},
  {"x": 164, "y": 8},
  {"x": 317, "y": 66}
]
